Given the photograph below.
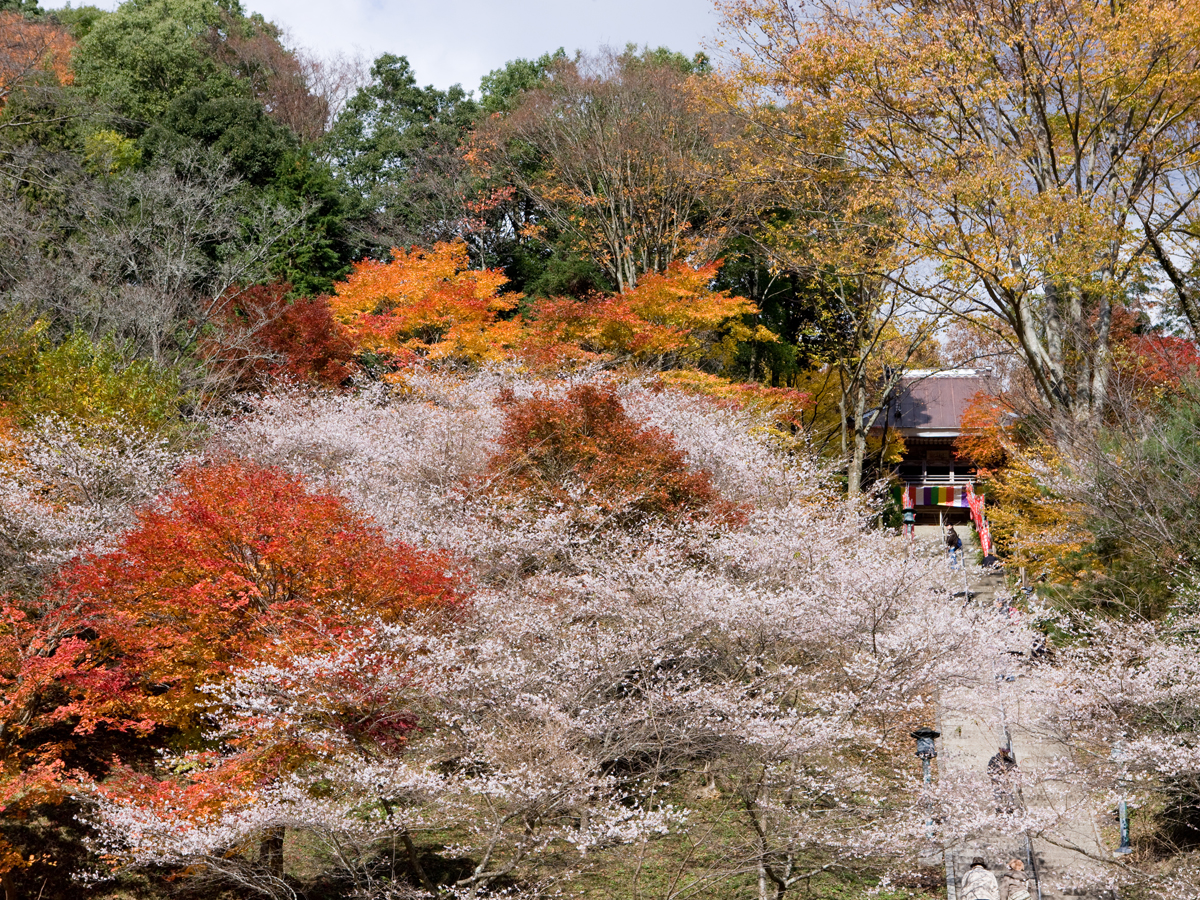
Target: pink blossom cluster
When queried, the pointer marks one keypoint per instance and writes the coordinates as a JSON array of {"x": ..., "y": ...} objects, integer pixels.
[
  {"x": 609, "y": 686},
  {"x": 70, "y": 488}
]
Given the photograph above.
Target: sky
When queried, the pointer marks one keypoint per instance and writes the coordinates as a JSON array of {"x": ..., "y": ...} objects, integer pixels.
[{"x": 459, "y": 41}]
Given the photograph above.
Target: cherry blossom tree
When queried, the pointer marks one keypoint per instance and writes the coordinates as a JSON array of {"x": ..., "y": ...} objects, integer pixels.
[
  {"x": 755, "y": 679},
  {"x": 64, "y": 487},
  {"x": 1125, "y": 702}
]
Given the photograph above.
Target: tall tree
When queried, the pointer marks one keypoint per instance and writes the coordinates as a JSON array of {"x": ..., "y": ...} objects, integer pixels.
[
  {"x": 28, "y": 7},
  {"x": 287, "y": 83},
  {"x": 1034, "y": 149},
  {"x": 151, "y": 257},
  {"x": 147, "y": 52},
  {"x": 615, "y": 154},
  {"x": 816, "y": 220},
  {"x": 502, "y": 89},
  {"x": 396, "y": 146}
]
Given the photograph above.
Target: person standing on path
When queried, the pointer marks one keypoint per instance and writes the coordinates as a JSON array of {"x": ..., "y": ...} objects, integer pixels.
[
  {"x": 953, "y": 545},
  {"x": 1014, "y": 884},
  {"x": 979, "y": 883},
  {"x": 1002, "y": 764},
  {"x": 1002, "y": 769}
]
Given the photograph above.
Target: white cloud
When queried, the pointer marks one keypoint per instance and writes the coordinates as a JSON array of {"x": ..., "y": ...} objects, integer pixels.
[{"x": 459, "y": 41}]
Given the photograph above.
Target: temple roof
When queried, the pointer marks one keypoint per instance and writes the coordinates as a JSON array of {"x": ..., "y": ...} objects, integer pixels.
[{"x": 931, "y": 404}]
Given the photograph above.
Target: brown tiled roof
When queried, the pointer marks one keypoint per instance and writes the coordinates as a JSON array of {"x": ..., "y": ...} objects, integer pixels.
[{"x": 935, "y": 402}]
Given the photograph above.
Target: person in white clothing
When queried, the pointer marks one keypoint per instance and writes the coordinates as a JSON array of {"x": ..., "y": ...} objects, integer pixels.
[{"x": 979, "y": 883}]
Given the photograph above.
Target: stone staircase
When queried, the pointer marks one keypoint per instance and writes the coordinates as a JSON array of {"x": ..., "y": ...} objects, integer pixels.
[{"x": 1065, "y": 860}]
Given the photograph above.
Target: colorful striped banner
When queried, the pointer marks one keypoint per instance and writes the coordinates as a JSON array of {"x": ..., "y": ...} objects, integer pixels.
[{"x": 912, "y": 496}]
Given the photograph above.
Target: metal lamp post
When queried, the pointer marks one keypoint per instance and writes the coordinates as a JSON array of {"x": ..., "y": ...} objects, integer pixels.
[
  {"x": 927, "y": 751},
  {"x": 1118, "y": 755},
  {"x": 1123, "y": 813}
]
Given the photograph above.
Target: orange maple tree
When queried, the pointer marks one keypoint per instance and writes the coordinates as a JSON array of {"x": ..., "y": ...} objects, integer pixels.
[
  {"x": 674, "y": 314},
  {"x": 429, "y": 305},
  {"x": 426, "y": 304},
  {"x": 985, "y": 424},
  {"x": 29, "y": 48}
]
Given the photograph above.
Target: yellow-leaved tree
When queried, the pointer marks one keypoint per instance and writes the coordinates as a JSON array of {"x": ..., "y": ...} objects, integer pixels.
[{"x": 1032, "y": 154}]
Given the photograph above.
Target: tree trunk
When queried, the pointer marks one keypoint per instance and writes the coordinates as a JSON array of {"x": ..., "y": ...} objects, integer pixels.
[
  {"x": 1055, "y": 370},
  {"x": 1102, "y": 358},
  {"x": 858, "y": 432},
  {"x": 270, "y": 852},
  {"x": 414, "y": 863}
]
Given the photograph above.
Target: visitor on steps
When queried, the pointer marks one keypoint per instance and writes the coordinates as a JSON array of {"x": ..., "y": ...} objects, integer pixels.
[
  {"x": 1002, "y": 769},
  {"x": 953, "y": 546},
  {"x": 1014, "y": 884},
  {"x": 979, "y": 883}
]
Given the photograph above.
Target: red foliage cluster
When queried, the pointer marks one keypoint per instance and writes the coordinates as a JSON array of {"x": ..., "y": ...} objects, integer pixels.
[
  {"x": 262, "y": 333},
  {"x": 241, "y": 563},
  {"x": 585, "y": 451},
  {"x": 1157, "y": 364}
]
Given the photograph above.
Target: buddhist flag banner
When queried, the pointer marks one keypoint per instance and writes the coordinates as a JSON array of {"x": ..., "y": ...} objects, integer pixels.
[
  {"x": 910, "y": 496},
  {"x": 975, "y": 501}
]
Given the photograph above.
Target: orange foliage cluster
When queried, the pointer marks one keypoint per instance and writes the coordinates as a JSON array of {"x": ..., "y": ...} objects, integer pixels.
[
  {"x": 429, "y": 304},
  {"x": 29, "y": 47},
  {"x": 426, "y": 304},
  {"x": 982, "y": 440},
  {"x": 584, "y": 452},
  {"x": 665, "y": 314}
]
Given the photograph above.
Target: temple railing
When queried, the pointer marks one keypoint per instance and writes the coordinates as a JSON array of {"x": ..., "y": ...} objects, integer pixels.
[{"x": 956, "y": 478}]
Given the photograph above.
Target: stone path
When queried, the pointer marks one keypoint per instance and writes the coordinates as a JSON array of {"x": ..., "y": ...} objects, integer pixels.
[{"x": 974, "y": 724}]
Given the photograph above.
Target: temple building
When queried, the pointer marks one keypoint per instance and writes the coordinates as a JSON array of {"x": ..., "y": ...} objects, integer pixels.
[{"x": 927, "y": 410}]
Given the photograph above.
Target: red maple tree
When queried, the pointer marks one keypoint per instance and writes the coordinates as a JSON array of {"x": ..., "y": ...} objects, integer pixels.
[
  {"x": 263, "y": 333},
  {"x": 584, "y": 449},
  {"x": 240, "y": 564},
  {"x": 243, "y": 562}
]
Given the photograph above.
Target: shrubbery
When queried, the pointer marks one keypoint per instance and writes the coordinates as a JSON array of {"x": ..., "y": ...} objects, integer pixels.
[{"x": 87, "y": 382}]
